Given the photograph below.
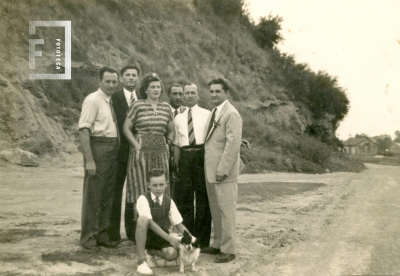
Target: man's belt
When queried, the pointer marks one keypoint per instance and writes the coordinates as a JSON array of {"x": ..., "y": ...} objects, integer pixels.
[{"x": 193, "y": 148}]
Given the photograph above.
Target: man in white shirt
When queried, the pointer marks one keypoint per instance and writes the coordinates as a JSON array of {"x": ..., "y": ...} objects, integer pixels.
[
  {"x": 98, "y": 135},
  {"x": 191, "y": 193},
  {"x": 122, "y": 100}
]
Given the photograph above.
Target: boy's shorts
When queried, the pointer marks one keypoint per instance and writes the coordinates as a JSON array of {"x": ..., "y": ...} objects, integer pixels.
[{"x": 154, "y": 241}]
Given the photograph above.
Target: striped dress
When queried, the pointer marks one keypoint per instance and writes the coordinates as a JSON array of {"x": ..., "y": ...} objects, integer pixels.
[{"x": 151, "y": 128}]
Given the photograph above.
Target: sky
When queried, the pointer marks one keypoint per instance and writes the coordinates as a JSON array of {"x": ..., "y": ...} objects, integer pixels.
[{"x": 357, "y": 41}]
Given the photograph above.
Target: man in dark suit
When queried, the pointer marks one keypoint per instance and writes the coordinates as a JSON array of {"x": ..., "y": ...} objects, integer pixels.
[{"x": 121, "y": 102}]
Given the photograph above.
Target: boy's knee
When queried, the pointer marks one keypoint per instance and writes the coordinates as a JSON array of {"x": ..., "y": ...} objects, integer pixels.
[
  {"x": 170, "y": 253},
  {"x": 142, "y": 223}
]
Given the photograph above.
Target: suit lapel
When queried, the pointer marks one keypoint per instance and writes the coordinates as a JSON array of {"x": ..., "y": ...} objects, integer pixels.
[
  {"x": 122, "y": 100},
  {"x": 217, "y": 119}
]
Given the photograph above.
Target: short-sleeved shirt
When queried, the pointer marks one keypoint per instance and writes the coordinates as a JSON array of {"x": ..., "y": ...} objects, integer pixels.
[
  {"x": 97, "y": 116},
  {"x": 146, "y": 120},
  {"x": 143, "y": 209},
  {"x": 199, "y": 117}
]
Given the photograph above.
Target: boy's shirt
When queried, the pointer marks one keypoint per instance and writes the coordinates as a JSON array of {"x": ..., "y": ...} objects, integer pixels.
[{"x": 143, "y": 209}]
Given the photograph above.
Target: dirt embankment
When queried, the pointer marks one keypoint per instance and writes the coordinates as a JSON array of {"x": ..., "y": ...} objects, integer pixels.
[{"x": 24, "y": 122}]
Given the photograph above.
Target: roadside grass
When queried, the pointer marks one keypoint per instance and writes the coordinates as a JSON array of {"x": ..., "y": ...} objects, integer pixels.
[
  {"x": 342, "y": 162},
  {"x": 85, "y": 257},
  {"x": 16, "y": 235},
  {"x": 9, "y": 273},
  {"x": 13, "y": 257},
  {"x": 267, "y": 191},
  {"x": 383, "y": 160}
]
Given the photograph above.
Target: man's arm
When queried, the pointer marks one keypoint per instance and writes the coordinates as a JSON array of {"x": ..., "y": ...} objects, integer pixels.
[
  {"x": 84, "y": 137},
  {"x": 232, "y": 146},
  {"x": 171, "y": 131},
  {"x": 177, "y": 155}
]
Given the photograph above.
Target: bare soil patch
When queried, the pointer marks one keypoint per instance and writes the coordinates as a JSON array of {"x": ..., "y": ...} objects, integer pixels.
[{"x": 282, "y": 219}]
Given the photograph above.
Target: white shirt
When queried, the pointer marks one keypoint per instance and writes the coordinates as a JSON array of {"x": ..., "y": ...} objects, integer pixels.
[
  {"x": 97, "y": 116},
  {"x": 180, "y": 109},
  {"x": 219, "y": 108},
  {"x": 173, "y": 110},
  {"x": 128, "y": 96},
  {"x": 199, "y": 118},
  {"x": 143, "y": 209}
]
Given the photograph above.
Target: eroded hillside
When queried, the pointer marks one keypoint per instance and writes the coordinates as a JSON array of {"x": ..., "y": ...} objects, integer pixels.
[{"x": 181, "y": 42}]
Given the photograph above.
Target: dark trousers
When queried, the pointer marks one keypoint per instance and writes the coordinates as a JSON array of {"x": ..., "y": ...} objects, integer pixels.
[
  {"x": 115, "y": 221},
  {"x": 191, "y": 194},
  {"x": 98, "y": 191}
]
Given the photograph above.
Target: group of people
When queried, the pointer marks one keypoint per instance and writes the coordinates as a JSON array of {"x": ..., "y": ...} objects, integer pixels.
[{"x": 180, "y": 164}]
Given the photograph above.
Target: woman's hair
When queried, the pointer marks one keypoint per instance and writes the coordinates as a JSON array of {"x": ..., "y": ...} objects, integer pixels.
[{"x": 146, "y": 82}]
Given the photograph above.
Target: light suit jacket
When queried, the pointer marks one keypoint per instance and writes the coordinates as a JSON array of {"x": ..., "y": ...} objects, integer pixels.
[{"x": 222, "y": 145}]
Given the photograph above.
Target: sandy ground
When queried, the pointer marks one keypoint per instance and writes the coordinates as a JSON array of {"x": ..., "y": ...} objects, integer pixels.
[{"x": 288, "y": 224}]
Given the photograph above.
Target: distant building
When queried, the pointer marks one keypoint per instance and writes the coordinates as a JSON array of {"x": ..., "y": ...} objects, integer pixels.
[
  {"x": 394, "y": 148},
  {"x": 360, "y": 146}
]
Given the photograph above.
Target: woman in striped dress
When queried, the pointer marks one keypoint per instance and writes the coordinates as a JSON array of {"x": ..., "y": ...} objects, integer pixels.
[{"x": 154, "y": 131}]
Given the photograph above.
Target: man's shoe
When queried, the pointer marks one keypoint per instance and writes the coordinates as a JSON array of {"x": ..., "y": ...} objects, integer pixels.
[
  {"x": 210, "y": 250},
  {"x": 224, "y": 258},
  {"x": 91, "y": 247},
  {"x": 109, "y": 244},
  {"x": 144, "y": 269}
]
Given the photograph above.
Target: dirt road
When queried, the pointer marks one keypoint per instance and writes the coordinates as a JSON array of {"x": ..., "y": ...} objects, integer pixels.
[{"x": 288, "y": 224}]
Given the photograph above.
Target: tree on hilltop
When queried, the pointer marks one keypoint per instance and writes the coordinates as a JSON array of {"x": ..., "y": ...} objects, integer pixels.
[
  {"x": 267, "y": 31},
  {"x": 397, "y": 139}
]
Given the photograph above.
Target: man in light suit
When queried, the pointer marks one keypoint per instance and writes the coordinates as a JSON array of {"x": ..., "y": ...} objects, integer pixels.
[
  {"x": 122, "y": 100},
  {"x": 222, "y": 162}
]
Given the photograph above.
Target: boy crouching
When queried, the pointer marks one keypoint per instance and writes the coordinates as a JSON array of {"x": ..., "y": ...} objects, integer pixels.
[{"x": 156, "y": 212}]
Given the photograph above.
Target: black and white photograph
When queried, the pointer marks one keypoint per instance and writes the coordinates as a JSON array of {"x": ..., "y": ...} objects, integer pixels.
[{"x": 199, "y": 137}]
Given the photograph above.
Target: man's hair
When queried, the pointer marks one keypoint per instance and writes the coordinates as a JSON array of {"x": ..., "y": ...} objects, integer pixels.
[
  {"x": 123, "y": 70},
  {"x": 189, "y": 84},
  {"x": 154, "y": 173},
  {"x": 174, "y": 85},
  {"x": 150, "y": 77},
  {"x": 107, "y": 69},
  {"x": 224, "y": 83}
]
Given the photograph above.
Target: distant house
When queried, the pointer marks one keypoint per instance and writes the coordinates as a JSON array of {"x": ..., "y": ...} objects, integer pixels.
[
  {"x": 394, "y": 148},
  {"x": 360, "y": 146}
]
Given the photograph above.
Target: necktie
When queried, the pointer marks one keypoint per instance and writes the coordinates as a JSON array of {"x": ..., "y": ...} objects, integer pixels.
[
  {"x": 175, "y": 112},
  {"x": 132, "y": 97},
  {"x": 192, "y": 139},
  {"x": 211, "y": 122},
  {"x": 157, "y": 201}
]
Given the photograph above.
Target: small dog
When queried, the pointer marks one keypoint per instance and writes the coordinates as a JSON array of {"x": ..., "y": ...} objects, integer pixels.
[{"x": 189, "y": 251}]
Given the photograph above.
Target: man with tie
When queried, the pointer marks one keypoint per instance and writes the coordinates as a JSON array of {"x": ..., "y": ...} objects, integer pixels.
[
  {"x": 175, "y": 95},
  {"x": 98, "y": 135},
  {"x": 122, "y": 100},
  {"x": 222, "y": 162},
  {"x": 191, "y": 193}
]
